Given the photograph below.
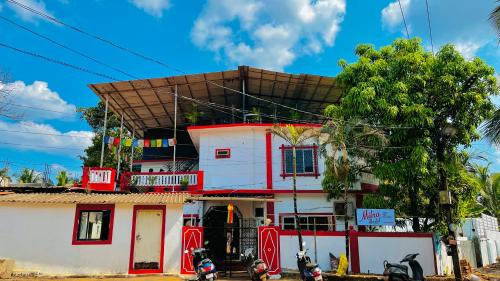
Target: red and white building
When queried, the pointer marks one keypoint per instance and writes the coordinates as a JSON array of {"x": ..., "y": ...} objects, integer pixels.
[{"x": 230, "y": 156}]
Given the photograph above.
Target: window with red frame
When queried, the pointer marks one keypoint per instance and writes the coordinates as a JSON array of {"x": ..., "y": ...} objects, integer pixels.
[
  {"x": 222, "y": 153},
  {"x": 93, "y": 224},
  {"x": 307, "y": 162}
]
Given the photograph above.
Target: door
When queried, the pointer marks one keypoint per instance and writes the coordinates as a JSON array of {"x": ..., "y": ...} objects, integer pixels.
[
  {"x": 269, "y": 248},
  {"x": 148, "y": 233},
  {"x": 192, "y": 238}
]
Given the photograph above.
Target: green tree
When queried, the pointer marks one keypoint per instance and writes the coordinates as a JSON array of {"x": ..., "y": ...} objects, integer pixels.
[
  {"x": 29, "y": 176},
  {"x": 4, "y": 175},
  {"x": 95, "y": 118},
  {"x": 345, "y": 146},
  {"x": 428, "y": 105},
  {"x": 62, "y": 178},
  {"x": 489, "y": 190},
  {"x": 294, "y": 136}
]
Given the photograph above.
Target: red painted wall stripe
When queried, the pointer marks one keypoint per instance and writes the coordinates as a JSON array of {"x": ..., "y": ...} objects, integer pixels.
[
  {"x": 270, "y": 213},
  {"x": 269, "y": 161},
  {"x": 354, "y": 251}
]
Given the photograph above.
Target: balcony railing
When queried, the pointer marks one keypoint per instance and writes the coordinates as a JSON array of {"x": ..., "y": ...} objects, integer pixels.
[
  {"x": 369, "y": 182},
  {"x": 162, "y": 181}
]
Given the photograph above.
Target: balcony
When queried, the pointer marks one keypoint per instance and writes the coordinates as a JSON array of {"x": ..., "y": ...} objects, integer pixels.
[
  {"x": 161, "y": 181},
  {"x": 101, "y": 179}
]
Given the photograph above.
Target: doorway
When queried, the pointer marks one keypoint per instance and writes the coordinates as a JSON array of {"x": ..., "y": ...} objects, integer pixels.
[{"x": 148, "y": 239}]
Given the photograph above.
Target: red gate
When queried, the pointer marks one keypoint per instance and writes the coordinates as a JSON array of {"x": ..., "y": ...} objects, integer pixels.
[
  {"x": 269, "y": 248},
  {"x": 192, "y": 238}
]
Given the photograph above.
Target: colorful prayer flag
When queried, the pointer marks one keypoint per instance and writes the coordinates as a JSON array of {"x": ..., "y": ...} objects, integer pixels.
[
  {"x": 110, "y": 140},
  {"x": 134, "y": 143},
  {"x": 106, "y": 139},
  {"x": 164, "y": 142},
  {"x": 122, "y": 142},
  {"x": 153, "y": 143},
  {"x": 110, "y": 146},
  {"x": 158, "y": 143},
  {"x": 128, "y": 142},
  {"x": 230, "y": 209},
  {"x": 116, "y": 141},
  {"x": 140, "y": 143},
  {"x": 172, "y": 142},
  {"x": 146, "y": 143}
]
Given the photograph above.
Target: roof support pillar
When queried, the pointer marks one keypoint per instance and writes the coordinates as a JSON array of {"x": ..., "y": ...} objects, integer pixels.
[{"x": 104, "y": 131}]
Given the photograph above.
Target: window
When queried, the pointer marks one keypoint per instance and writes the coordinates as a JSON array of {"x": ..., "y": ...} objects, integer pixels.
[
  {"x": 309, "y": 222},
  {"x": 259, "y": 212},
  {"x": 307, "y": 162},
  {"x": 222, "y": 153},
  {"x": 93, "y": 224},
  {"x": 194, "y": 221}
]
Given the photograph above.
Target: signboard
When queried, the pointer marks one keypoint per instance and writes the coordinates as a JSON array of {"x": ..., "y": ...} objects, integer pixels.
[{"x": 375, "y": 217}]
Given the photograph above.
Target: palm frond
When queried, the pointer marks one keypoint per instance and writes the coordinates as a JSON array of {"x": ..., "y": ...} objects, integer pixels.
[
  {"x": 491, "y": 128},
  {"x": 495, "y": 19}
]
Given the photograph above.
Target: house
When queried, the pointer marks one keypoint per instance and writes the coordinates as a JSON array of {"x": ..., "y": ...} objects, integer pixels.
[{"x": 208, "y": 148}]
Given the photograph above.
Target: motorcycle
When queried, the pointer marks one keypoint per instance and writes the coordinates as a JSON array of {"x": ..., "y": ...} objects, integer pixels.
[
  {"x": 203, "y": 266},
  {"x": 308, "y": 271},
  {"x": 256, "y": 268},
  {"x": 399, "y": 272}
]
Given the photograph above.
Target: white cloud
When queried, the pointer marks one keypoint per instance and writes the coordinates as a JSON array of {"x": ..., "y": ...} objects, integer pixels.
[
  {"x": 44, "y": 138},
  {"x": 28, "y": 99},
  {"x": 267, "y": 33},
  {"x": 25, "y": 14},
  {"x": 461, "y": 22},
  {"x": 152, "y": 7}
]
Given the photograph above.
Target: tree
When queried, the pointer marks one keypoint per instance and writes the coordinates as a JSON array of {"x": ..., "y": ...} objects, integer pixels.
[
  {"x": 4, "y": 175},
  {"x": 95, "y": 118},
  {"x": 495, "y": 19},
  {"x": 62, "y": 178},
  {"x": 489, "y": 190},
  {"x": 345, "y": 145},
  {"x": 294, "y": 136},
  {"x": 29, "y": 176},
  {"x": 194, "y": 115},
  {"x": 428, "y": 106}
]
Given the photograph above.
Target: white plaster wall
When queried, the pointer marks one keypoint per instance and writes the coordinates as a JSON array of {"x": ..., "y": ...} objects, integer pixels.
[
  {"x": 289, "y": 246},
  {"x": 246, "y": 169},
  {"x": 309, "y": 203},
  {"x": 245, "y": 207},
  {"x": 374, "y": 250},
  {"x": 40, "y": 239}
]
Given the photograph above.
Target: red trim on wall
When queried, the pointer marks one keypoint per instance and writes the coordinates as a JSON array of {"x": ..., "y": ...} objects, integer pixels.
[
  {"x": 93, "y": 207},
  {"x": 218, "y": 126},
  {"x": 217, "y": 150},
  {"x": 269, "y": 161},
  {"x": 191, "y": 215},
  {"x": 270, "y": 213},
  {"x": 131, "y": 269},
  {"x": 354, "y": 250}
]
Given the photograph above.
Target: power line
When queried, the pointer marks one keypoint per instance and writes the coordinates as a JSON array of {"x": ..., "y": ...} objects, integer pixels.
[
  {"x": 404, "y": 20},
  {"x": 57, "y": 61},
  {"x": 67, "y": 47},
  {"x": 33, "y": 107},
  {"x": 429, "y": 24},
  {"x": 47, "y": 134},
  {"x": 40, "y": 146}
]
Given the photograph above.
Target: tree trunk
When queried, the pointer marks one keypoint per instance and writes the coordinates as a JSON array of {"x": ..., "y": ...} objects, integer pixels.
[
  {"x": 414, "y": 209},
  {"x": 296, "y": 213},
  {"x": 346, "y": 219}
]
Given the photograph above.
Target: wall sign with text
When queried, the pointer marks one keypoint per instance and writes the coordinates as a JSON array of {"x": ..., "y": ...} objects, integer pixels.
[{"x": 375, "y": 217}]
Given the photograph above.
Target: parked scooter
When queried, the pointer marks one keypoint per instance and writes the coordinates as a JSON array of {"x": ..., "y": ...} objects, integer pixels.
[
  {"x": 256, "y": 268},
  {"x": 308, "y": 271},
  {"x": 203, "y": 266},
  {"x": 399, "y": 272}
]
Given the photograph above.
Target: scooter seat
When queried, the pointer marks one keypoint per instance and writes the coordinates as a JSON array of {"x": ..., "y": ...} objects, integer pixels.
[{"x": 311, "y": 265}]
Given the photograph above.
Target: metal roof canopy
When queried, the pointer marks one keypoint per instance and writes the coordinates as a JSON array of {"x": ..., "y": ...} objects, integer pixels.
[{"x": 149, "y": 103}]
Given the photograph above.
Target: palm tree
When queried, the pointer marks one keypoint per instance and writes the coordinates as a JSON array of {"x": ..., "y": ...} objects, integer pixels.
[
  {"x": 29, "y": 176},
  {"x": 62, "y": 178},
  {"x": 345, "y": 145},
  {"x": 489, "y": 193},
  {"x": 294, "y": 136},
  {"x": 491, "y": 128},
  {"x": 495, "y": 19},
  {"x": 4, "y": 175}
]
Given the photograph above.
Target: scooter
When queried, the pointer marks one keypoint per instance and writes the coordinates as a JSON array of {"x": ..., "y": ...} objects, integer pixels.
[
  {"x": 256, "y": 268},
  {"x": 399, "y": 272},
  {"x": 203, "y": 266},
  {"x": 308, "y": 271}
]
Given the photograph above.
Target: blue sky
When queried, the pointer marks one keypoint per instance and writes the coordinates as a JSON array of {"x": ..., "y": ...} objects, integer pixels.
[{"x": 297, "y": 36}]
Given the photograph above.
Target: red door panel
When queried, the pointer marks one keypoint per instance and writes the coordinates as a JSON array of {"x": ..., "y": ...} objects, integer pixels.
[
  {"x": 192, "y": 238},
  {"x": 269, "y": 248}
]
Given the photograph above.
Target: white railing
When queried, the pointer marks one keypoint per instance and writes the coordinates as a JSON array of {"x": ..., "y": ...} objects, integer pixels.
[
  {"x": 100, "y": 176},
  {"x": 369, "y": 178},
  {"x": 163, "y": 180}
]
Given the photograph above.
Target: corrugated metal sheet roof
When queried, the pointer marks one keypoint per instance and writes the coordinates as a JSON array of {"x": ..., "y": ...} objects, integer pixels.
[{"x": 96, "y": 198}]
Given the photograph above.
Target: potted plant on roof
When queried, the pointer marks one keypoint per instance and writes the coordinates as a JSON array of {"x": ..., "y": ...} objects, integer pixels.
[
  {"x": 152, "y": 183},
  {"x": 194, "y": 114},
  {"x": 184, "y": 183}
]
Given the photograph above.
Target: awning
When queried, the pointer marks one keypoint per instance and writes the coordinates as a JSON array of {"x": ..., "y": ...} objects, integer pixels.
[{"x": 149, "y": 103}]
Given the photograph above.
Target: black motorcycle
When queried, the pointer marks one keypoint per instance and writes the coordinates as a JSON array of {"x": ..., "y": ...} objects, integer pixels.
[
  {"x": 203, "y": 266},
  {"x": 399, "y": 272},
  {"x": 308, "y": 271},
  {"x": 256, "y": 268}
]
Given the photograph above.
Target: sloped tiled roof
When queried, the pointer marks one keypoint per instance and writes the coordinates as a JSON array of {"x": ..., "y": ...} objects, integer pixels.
[{"x": 96, "y": 198}]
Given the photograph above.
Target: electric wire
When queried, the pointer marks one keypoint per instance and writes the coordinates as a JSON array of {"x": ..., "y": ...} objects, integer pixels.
[
  {"x": 68, "y": 48},
  {"x": 404, "y": 20},
  {"x": 429, "y": 24}
]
